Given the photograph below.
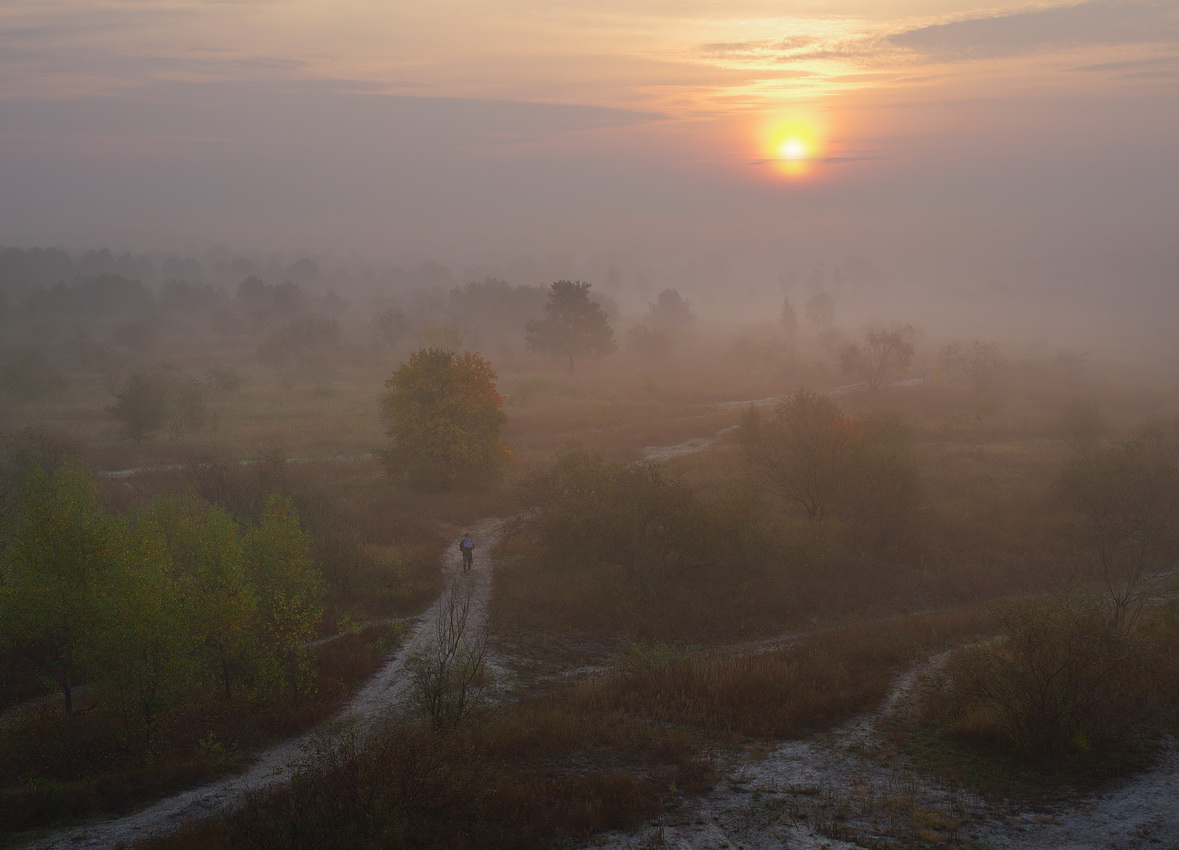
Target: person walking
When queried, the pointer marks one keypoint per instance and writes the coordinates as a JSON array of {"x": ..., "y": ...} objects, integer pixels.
[{"x": 467, "y": 547}]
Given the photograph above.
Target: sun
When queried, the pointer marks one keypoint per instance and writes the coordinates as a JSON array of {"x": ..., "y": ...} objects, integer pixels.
[
  {"x": 792, "y": 145},
  {"x": 794, "y": 148}
]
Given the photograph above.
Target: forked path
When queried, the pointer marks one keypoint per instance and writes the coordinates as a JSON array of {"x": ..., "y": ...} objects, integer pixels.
[{"x": 384, "y": 695}]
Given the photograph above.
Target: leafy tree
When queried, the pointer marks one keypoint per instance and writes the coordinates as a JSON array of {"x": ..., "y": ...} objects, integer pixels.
[
  {"x": 209, "y": 561},
  {"x": 588, "y": 513},
  {"x": 829, "y": 465},
  {"x": 58, "y": 563},
  {"x": 289, "y": 592},
  {"x": 574, "y": 326},
  {"x": 145, "y": 648},
  {"x": 445, "y": 420},
  {"x": 670, "y": 312},
  {"x": 882, "y": 356}
]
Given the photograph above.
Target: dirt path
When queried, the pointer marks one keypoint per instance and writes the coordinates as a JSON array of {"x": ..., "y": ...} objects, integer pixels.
[
  {"x": 847, "y": 790},
  {"x": 383, "y": 696}
]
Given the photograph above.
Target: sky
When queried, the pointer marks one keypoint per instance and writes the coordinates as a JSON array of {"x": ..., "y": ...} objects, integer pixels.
[{"x": 1006, "y": 140}]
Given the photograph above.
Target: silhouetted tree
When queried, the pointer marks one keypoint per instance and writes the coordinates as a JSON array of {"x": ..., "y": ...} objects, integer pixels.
[
  {"x": 980, "y": 362},
  {"x": 574, "y": 326},
  {"x": 881, "y": 357}
]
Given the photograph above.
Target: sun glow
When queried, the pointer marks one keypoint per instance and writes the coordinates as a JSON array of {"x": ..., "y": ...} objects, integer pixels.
[{"x": 793, "y": 146}]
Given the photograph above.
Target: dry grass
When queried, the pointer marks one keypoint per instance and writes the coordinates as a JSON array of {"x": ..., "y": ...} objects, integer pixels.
[
  {"x": 56, "y": 768},
  {"x": 603, "y": 754}
]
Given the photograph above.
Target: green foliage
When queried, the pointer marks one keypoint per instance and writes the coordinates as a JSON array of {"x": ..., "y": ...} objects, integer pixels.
[
  {"x": 289, "y": 591},
  {"x": 574, "y": 326},
  {"x": 145, "y": 649},
  {"x": 209, "y": 561},
  {"x": 445, "y": 420},
  {"x": 60, "y": 561}
]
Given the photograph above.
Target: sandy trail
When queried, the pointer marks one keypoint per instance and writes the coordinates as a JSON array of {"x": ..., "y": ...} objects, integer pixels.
[
  {"x": 835, "y": 791},
  {"x": 383, "y": 696},
  {"x": 847, "y": 790}
]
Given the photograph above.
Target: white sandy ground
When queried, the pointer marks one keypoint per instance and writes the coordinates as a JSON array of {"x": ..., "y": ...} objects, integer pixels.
[
  {"x": 846, "y": 790},
  {"x": 384, "y": 694},
  {"x": 842, "y": 790}
]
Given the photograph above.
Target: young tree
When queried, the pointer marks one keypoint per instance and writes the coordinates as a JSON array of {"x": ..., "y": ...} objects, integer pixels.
[
  {"x": 58, "y": 560},
  {"x": 574, "y": 326},
  {"x": 145, "y": 648},
  {"x": 445, "y": 420},
  {"x": 209, "y": 564},
  {"x": 881, "y": 357},
  {"x": 289, "y": 591}
]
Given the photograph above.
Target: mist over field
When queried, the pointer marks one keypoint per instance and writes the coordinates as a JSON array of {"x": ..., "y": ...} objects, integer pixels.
[{"x": 508, "y": 424}]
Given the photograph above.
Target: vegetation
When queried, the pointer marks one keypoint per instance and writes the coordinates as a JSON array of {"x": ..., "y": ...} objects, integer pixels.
[
  {"x": 227, "y": 586},
  {"x": 445, "y": 420},
  {"x": 574, "y": 326}
]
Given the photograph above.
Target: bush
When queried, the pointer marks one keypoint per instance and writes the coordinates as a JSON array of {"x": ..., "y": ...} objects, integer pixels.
[{"x": 1060, "y": 679}]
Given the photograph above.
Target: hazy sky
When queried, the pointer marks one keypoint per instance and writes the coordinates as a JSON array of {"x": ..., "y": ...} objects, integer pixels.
[{"x": 989, "y": 132}]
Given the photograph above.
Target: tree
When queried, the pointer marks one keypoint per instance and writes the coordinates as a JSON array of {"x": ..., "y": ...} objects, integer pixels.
[
  {"x": 1127, "y": 496},
  {"x": 445, "y": 420},
  {"x": 141, "y": 406},
  {"x": 979, "y": 362},
  {"x": 145, "y": 649},
  {"x": 830, "y": 465},
  {"x": 587, "y": 513},
  {"x": 390, "y": 326},
  {"x": 58, "y": 560},
  {"x": 448, "y": 676},
  {"x": 289, "y": 590},
  {"x": 670, "y": 312},
  {"x": 209, "y": 563},
  {"x": 788, "y": 319},
  {"x": 881, "y": 357},
  {"x": 574, "y": 326}
]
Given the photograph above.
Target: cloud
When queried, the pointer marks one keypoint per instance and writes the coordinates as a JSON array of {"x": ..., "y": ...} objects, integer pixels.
[{"x": 1087, "y": 24}]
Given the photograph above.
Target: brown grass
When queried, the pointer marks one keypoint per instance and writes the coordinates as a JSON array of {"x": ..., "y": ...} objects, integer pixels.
[
  {"x": 56, "y": 767},
  {"x": 603, "y": 754}
]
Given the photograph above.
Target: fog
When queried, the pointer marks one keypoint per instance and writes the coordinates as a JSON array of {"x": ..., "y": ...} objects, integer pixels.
[{"x": 1001, "y": 164}]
